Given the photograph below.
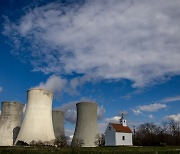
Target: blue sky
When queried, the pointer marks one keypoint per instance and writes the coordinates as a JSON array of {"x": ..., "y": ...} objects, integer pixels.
[{"x": 124, "y": 55}]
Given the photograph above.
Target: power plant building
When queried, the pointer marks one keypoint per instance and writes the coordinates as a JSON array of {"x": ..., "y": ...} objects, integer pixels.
[
  {"x": 37, "y": 124},
  {"x": 58, "y": 123},
  {"x": 86, "y": 125},
  {"x": 10, "y": 122}
]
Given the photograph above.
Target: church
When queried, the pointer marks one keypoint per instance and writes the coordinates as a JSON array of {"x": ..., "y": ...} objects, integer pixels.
[{"x": 118, "y": 134}]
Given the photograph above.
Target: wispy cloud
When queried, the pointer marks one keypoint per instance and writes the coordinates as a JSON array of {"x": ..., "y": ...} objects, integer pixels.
[
  {"x": 114, "y": 119},
  {"x": 170, "y": 99},
  {"x": 97, "y": 37},
  {"x": 157, "y": 105},
  {"x": 151, "y": 116},
  {"x": 148, "y": 108},
  {"x": 175, "y": 118},
  {"x": 76, "y": 82},
  {"x": 152, "y": 107},
  {"x": 69, "y": 132},
  {"x": 136, "y": 111}
]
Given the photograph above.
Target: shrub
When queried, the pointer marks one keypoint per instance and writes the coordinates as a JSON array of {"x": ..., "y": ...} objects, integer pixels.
[{"x": 77, "y": 143}]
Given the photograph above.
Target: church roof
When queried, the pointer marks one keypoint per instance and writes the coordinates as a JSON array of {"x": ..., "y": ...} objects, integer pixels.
[{"x": 121, "y": 128}]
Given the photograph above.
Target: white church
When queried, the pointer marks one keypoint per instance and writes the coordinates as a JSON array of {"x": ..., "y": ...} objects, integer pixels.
[{"x": 118, "y": 134}]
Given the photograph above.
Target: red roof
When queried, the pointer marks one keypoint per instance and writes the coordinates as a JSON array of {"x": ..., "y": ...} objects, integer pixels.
[{"x": 121, "y": 128}]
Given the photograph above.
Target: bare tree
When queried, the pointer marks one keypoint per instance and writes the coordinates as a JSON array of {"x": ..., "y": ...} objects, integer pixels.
[
  {"x": 32, "y": 143},
  {"x": 100, "y": 140},
  {"x": 151, "y": 134},
  {"x": 77, "y": 143},
  {"x": 61, "y": 141}
]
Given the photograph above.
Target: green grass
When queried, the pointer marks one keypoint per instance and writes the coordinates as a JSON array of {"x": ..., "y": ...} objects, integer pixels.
[{"x": 99, "y": 150}]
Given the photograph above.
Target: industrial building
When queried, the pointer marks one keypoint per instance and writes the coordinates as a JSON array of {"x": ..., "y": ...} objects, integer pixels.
[
  {"x": 58, "y": 123},
  {"x": 10, "y": 122},
  {"x": 86, "y": 125},
  {"x": 118, "y": 134},
  {"x": 37, "y": 124}
]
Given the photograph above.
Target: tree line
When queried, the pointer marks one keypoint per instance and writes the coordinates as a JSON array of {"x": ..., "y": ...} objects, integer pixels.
[{"x": 149, "y": 134}]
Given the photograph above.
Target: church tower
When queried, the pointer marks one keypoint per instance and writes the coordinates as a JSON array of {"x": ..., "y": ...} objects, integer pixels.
[{"x": 123, "y": 121}]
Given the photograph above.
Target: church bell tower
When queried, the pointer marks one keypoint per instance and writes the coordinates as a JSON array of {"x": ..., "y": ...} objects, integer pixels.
[{"x": 123, "y": 121}]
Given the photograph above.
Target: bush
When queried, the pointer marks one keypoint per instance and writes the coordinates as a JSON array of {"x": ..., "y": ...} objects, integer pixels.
[
  {"x": 22, "y": 143},
  {"x": 77, "y": 143},
  {"x": 100, "y": 140},
  {"x": 61, "y": 141}
]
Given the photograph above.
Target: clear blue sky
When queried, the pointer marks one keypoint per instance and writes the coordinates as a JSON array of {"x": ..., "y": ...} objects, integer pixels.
[{"x": 124, "y": 55}]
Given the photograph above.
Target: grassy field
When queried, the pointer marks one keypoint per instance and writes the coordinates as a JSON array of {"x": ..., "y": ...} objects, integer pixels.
[{"x": 99, "y": 150}]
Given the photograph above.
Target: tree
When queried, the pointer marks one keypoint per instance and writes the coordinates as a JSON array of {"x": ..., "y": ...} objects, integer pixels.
[
  {"x": 146, "y": 135},
  {"x": 41, "y": 143},
  {"x": 77, "y": 143},
  {"x": 22, "y": 143},
  {"x": 100, "y": 140},
  {"x": 32, "y": 143},
  {"x": 61, "y": 141},
  {"x": 149, "y": 134}
]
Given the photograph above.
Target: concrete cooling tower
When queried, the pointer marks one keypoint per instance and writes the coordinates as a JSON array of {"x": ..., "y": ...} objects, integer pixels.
[
  {"x": 86, "y": 124},
  {"x": 10, "y": 122},
  {"x": 58, "y": 123},
  {"x": 37, "y": 124}
]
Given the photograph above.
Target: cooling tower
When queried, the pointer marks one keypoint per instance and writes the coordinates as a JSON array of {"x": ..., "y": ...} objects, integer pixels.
[
  {"x": 10, "y": 122},
  {"x": 86, "y": 124},
  {"x": 58, "y": 123},
  {"x": 37, "y": 124}
]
